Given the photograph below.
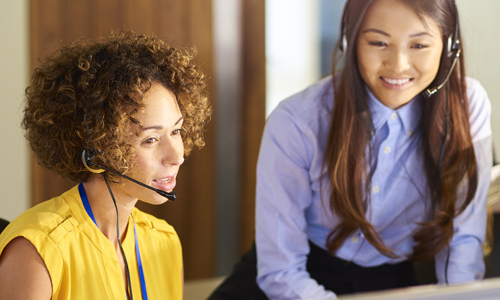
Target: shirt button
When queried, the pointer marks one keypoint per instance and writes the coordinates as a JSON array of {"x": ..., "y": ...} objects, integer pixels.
[
  {"x": 387, "y": 149},
  {"x": 376, "y": 189},
  {"x": 394, "y": 116},
  {"x": 409, "y": 132},
  {"x": 355, "y": 239}
]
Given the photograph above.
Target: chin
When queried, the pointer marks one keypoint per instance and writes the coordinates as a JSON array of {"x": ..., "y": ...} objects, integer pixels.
[
  {"x": 152, "y": 198},
  {"x": 157, "y": 200}
]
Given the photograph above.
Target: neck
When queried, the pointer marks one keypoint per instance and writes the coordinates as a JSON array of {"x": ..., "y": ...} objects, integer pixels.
[{"x": 104, "y": 209}]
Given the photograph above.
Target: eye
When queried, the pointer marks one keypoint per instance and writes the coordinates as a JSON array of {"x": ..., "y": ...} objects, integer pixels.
[
  {"x": 419, "y": 46},
  {"x": 150, "y": 140},
  {"x": 377, "y": 44},
  {"x": 178, "y": 131}
]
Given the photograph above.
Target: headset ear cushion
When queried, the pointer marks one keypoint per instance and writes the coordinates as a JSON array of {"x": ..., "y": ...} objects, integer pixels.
[
  {"x": 87, "y": 157},
  {"x": 343, "y": 44},
  {"x": 449, "y": 46}
]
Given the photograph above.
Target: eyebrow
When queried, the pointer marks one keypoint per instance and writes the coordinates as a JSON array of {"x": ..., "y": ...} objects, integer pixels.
[
  {"x": 388, "y": 35},
  {"x": 180, "y": 119},
  {"x": 158, "y": 127}
]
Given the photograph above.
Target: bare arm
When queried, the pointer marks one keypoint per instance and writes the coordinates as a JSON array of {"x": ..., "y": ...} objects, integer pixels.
[{"x": 23, "y": 274}]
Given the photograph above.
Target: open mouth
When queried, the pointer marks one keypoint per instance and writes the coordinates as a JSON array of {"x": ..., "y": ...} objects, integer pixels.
[{"x": 166, "y": 184}]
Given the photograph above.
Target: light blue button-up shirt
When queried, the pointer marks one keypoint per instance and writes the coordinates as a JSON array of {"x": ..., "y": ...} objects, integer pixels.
[{"x": 290, "y": 210}]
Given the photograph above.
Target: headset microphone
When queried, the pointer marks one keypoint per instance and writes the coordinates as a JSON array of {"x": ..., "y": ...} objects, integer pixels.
[
  {"x": 429, "y": 92},
  {"x": 453, "y": 48},
  {"x": 95, "y": 168}
]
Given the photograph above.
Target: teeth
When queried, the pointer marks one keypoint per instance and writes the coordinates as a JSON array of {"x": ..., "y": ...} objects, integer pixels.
[
  {"x": 163, "y": 180},
  {"x": 396, "y": 81}
]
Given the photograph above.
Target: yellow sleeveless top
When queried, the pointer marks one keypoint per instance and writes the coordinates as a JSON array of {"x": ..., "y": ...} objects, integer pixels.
[{"x": 82, "y": 262}]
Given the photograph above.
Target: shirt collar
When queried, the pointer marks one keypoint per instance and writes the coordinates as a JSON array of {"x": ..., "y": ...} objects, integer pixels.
[{"x": 409, "y": 114}]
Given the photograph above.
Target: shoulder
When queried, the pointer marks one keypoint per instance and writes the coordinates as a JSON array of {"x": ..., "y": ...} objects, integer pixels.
[
  {"x": 42, "y": 219},
  {"x": 309, "y": 102},
  {"x": 479, "y": 110},
  {"x": 307, "y": 108},
  {"x": 44, "y": 227}
]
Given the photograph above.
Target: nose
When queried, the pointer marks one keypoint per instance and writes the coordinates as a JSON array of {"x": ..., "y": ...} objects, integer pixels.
[
  {"x": 398, "y": 60},
  {"x": 173, "y": 153}
]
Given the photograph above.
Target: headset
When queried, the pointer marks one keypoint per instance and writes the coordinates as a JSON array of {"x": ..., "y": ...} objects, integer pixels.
[{"x": 453, "y": 50}]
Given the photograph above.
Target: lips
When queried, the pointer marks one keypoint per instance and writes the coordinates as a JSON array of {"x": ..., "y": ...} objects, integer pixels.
[{"x": 166, "y": 183}]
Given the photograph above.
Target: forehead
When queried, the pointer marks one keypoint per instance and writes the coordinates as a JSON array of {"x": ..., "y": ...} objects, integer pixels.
[
  {"x": 160, "y": 107},
  {"x": 396, "y": 16}
]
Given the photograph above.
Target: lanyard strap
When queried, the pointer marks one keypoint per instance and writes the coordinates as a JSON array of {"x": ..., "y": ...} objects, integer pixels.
[
  {"x": 86, "y": 204},
  {"x": 139, "y": 264}
]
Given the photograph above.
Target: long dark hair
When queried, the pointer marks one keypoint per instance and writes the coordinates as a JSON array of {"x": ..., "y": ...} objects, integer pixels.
[{"x": 346, "y": 153}]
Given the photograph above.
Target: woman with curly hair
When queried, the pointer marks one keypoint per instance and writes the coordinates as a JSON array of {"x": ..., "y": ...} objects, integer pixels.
[{"x": 103, "y": 112}]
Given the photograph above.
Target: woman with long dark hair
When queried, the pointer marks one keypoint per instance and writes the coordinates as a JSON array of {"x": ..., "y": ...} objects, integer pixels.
[{"x": 385, "y": 163}]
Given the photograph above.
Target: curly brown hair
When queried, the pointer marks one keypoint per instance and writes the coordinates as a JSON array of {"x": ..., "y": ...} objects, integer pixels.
[{"x": 86, "y": 96}]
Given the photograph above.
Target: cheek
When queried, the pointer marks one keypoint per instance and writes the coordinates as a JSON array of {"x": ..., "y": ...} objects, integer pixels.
[
  {"x": 142, "y": 163},
  {"x": 363, "y": 65},
  {"x": 180, "y": 146},
  {"x": 428, "y": 66},
  {"x": 368, "y": 63}
]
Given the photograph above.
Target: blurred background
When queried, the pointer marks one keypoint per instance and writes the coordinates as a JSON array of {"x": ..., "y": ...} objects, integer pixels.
[{"x": 256, "y": 53}]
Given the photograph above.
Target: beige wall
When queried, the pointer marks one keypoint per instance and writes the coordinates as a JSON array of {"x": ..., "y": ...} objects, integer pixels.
[
  {"x": 480, "y": 23},
  {"x": 14, "y": 177}
]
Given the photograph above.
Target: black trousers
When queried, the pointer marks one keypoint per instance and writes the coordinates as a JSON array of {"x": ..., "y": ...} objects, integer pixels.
[{"x": 337, "y": 275}]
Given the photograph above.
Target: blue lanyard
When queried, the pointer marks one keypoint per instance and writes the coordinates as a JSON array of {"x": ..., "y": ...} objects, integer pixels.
[{"x": 86, "y": 204}]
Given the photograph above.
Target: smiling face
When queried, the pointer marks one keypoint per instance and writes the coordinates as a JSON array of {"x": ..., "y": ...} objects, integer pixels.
[
  {"x": 398, "y": 55},
  {"x": 159, "y": 147}
]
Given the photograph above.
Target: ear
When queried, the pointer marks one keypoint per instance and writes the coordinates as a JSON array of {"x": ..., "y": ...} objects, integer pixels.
[{"x": 87, "y": 160}]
